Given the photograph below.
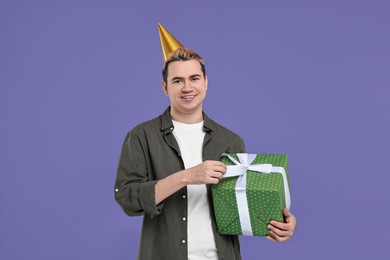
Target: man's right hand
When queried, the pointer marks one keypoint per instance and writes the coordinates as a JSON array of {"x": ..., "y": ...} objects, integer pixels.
[{"x": 208, "y": 172}]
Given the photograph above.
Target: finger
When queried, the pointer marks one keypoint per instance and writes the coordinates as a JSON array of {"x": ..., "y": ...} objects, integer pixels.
[
  {"x": 278, "y": 238},
  {"x": 214, "y": 162},
  {"x": 279, "y": 232},
  {"x": 215, "y": 165},
  {"x": 271, "y": 238},
  {"x": 216, "y": 168},
  {"x": 291, "y": 223},
  {"x": 217, "y": 175},
  {"x": 286, "y": 212},
  {"x": 219, "y": 169},
  {"x": 280, "y": 225},
  {"x": 213, "y": 181},
  {"x": 291, "y": 218},
  {"x": 218, "y": 164},
  {"x": 288, "y": 227}
]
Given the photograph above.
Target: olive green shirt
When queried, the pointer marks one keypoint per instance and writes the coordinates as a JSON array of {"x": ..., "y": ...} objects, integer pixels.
[{"x": 150, "y": 153}]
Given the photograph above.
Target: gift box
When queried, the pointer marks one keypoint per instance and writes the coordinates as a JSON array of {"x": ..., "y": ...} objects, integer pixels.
[{"x": 254, "y": 191}]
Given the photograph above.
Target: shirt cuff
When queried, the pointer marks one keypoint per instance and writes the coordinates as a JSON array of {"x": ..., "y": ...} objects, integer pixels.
[{"x": 148, "y": 200}]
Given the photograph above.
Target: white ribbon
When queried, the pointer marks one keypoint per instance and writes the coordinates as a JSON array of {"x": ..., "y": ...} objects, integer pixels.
[{"x": 239, "y": 169}]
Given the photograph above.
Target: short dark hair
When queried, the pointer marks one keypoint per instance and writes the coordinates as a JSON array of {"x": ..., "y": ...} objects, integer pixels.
[{"x": 182, "y": 54}]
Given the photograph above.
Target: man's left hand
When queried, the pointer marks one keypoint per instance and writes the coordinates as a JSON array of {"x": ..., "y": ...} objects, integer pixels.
[{"x": 282, "y": 231}]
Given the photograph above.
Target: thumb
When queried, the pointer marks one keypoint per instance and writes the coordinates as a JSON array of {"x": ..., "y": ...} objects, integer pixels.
[{"x": 286, "y": 213}]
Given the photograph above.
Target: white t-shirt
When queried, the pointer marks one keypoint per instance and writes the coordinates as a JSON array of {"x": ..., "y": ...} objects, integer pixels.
[{"x": 200, "y": 241}]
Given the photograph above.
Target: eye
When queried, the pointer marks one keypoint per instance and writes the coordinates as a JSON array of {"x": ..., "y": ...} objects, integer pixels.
[
  {"x": 176, "y": 81},
  {"x": 195, "y": 78}
]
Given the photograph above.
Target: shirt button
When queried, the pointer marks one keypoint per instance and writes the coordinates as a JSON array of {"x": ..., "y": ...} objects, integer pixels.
[
  {"x": 183, "y": 241},
  {"x": 184, "y": 196},
  {"x": 116, "y": 190},
  {"x": 184, "y": 218}
]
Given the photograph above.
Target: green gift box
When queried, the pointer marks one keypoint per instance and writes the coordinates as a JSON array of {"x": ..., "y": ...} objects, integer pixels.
[{"x": 254, "y": 191}]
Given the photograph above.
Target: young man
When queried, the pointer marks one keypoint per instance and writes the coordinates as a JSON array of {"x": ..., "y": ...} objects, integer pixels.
[{"x": 168, "y": 165}]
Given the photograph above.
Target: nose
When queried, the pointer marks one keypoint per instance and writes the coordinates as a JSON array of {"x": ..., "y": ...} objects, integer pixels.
[{"x": 186, "y": 86}]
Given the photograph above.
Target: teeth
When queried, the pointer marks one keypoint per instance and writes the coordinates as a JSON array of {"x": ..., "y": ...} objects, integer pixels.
[{"x": 187, "y": 97}]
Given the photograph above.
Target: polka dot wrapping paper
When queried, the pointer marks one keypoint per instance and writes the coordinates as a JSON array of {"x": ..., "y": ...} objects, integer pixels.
[{"x": 265, "y": 196}]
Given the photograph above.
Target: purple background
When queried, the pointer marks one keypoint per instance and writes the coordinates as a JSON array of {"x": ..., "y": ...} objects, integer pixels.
[{"x": 307, "y": 78}]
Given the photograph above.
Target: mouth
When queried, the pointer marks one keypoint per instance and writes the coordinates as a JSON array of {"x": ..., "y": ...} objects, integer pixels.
[{"x": 188, "y": 97}]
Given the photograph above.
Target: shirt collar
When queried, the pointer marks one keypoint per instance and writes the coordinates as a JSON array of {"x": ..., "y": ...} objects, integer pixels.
[{"x": 166, "y": 121}]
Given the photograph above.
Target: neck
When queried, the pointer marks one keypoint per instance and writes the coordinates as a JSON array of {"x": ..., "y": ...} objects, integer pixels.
[{"x": 187, "y": 118}]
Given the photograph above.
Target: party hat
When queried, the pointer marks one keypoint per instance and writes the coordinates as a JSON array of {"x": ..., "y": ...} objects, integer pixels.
[{"x": 168, "y": 42}]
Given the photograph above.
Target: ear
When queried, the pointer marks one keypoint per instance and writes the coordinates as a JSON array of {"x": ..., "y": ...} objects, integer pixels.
[
  {"x": 164, "y": 87},
  {"x": 206, "y": 79}
]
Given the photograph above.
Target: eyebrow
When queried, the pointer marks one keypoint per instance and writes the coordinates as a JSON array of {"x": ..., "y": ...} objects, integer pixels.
[
  {"x": 191, "y": 76},
  {"x": 195, "y": 75},
  {"x": 175, "y": 78}
]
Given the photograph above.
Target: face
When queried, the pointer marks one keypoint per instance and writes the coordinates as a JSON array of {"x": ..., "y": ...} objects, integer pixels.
[{"x": 186, "y": 88}]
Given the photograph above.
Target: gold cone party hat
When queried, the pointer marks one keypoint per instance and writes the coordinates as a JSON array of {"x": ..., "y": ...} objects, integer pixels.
[{"x": 168, "y": 42}]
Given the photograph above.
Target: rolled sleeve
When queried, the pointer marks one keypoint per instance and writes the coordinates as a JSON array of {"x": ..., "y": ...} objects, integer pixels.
[
  {"x": 134, "y": 189},
  {"x": 147, "y": 191}
]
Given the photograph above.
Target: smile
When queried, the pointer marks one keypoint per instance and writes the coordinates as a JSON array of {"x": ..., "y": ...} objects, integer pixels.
[{"x": 188, "y": 97}]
